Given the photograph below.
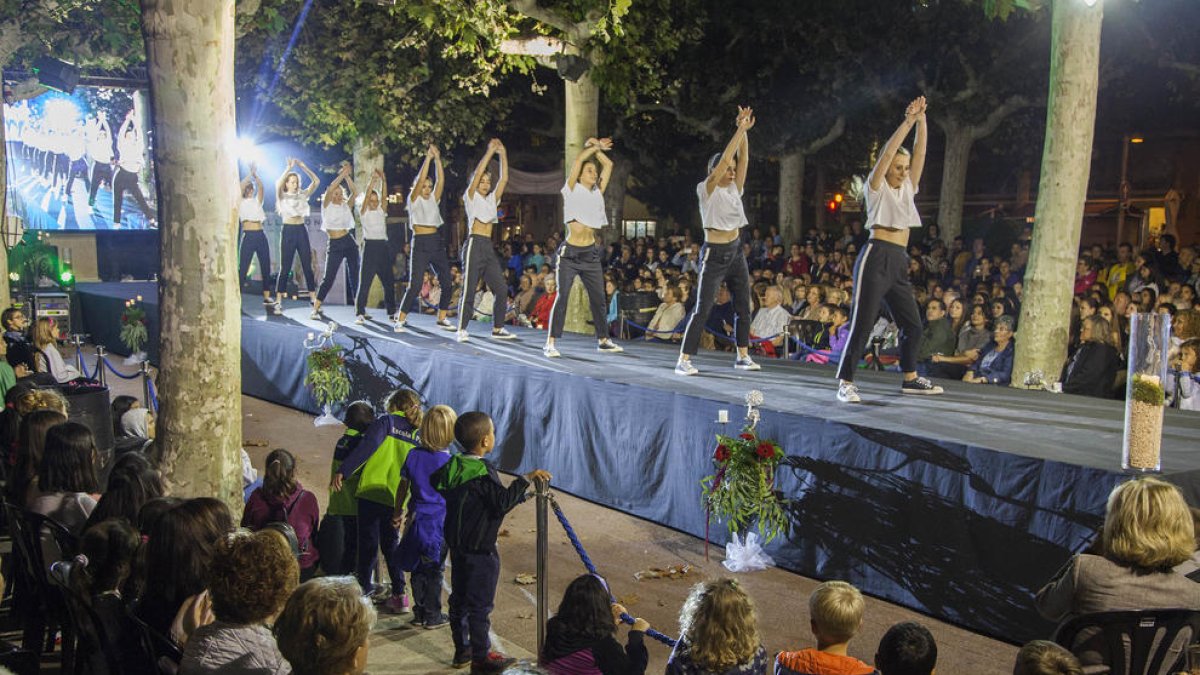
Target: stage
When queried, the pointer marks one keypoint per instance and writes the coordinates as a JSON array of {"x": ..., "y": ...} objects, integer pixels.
[{"x": 960, "y": 506}]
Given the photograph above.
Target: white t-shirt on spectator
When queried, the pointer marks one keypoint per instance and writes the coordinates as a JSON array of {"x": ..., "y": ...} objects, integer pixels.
[
  {"x": 584, "y": 206},
  {"x": 722, "y": 209},
  {"x": 770, "y": 321},
  {"x": 480, "y": 207},
  {"x": 892, "y": 207},
  {"x": 374, "y": 224},
  {"x": 424, "y": 211},
  {"x": 250, "y": 209},
  {"x": 336, "y": 217}
]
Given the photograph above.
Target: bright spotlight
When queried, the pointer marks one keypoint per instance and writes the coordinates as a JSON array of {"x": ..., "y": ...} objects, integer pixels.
[
  {"x": 1090, "y": 3},
  {"x": 247, "y": 150},
  {"x": 61, "y": 114}
]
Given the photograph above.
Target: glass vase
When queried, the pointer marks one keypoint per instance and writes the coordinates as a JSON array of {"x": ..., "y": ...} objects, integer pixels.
[{"x": 1145, "y": 396}]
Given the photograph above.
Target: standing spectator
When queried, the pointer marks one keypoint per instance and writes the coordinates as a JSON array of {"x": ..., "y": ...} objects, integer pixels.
[
  {"x": 718, "y": 633},
  {"x": 1115, "y": 276},
  {"x": 1184, "y": 385},
  {"x": 283, "y": 499},
  {"x": 1085, "y": 275},
  {"x": 906, "y": 649},
  {"x": 798, "y": 263},
  {"x": 337, "y": 538}
]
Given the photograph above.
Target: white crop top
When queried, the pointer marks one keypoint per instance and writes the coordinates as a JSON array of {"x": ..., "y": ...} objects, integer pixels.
[
  {"x": 251, "y": 210},
  {"x": 424, "y": 211},
  {"x": 292, "y": 205},
  {"x": 584, "y": 206},
  {"x": 336, "y": 217},
  {"x": 723, "y": 209},
  {"x": 892, "y": 207},
  {"x": 374, "y": 224},
  {"x": 480, "y": 208}
]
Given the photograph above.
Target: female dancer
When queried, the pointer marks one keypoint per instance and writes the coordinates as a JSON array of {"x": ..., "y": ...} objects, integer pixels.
[
  {"x": 428, "y": 246},
  {"x": 100, "y": 148},
  {"x": 337, "y": 220},
  {"x": 479, "y": 256},
  {"x": 131, "y": 151},
  {"x": 377, "y": 255},
  {"x": 291, "y": 202},
  {"x": 254, "y": 241},
  {"x": 881, "y": 271},
  {"x": 723, "y": 260},
  {"x": 583, "y": 214}
]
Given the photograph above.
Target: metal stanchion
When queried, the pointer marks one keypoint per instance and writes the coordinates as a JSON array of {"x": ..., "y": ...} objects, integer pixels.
[
  {"x": 146, "y": 403},
  {"x": 101, "y": 374},
  {"x": 542, "y": 494},
  {"x": 77, "y": 340}
]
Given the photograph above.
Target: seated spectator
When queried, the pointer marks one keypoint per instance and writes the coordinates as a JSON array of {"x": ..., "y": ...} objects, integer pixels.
[
  {"x": 718, "y": 633},
  {"x": 580, "y": 637},
  {"x": 936, "y": 337},
  {"x": 99, "y": 576},
  {"x": 8, "y": 374},
  {"x": 19, "y": 350},
  {"x": 813, "y": 301},
  {"x": 49, "y": 359},
  {"x": 324, "y": 627},
  {"x": 906, "y": 649},
  {"x": 137, "y": 431},
  {"x": 835, "y": 611},
  {"x": 132, "y": 482},
  {"x": 250, "y": 579},
  {"x": 1147, "y": 531},
  {"x": 771, "y": 320},
  {"x": 526, "y": 296},
  {"x": 283, "y": 499},
  {"x": 67, "y": 484},
  {"x": 31, "y": 442},
  {"x": 121, "y": 405},
  {"x": 541, "y": 309},
  {"x": 994, "y": 365},
  {"x": 668, "y": 318},
  {"x": 1187, "y": 393},
  {"x": 613, "y": 316},
  {"x": 1043, "y": 657},
  {"x": 972, "y": 340},
  {"x": 720, "y": 319},
  {"x": 1092, "y": 370}
]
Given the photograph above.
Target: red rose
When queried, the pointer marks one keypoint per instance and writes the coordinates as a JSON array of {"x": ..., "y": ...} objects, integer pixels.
[
  {"x": 747, "y": 437},
  {"x": 722, "y": 454}
]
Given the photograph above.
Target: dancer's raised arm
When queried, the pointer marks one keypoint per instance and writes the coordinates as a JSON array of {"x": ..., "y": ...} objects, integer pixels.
[
  {"x": 728, "y": 158},
  {"x": 431, "y": 156},
  {"x": 342, "y": 176},
  {"x": 917, "y": 167},
  {"x": 593, "y": 146},
  {"x": 913, "y": 115},
  {"x": 502, "y": 180},
  {"x": 279, "y": 184},
  {"x": 481, "y": 168},
  {"x": 314, "y": 181},
  {"x": 379, "y": 185}
]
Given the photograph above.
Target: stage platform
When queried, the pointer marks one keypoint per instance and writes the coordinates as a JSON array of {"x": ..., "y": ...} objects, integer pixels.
[{"x": 960, "y": 506}]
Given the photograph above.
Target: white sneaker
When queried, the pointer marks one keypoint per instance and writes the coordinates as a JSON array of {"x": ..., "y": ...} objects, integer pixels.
[
  {"x": 503, "y": 334},
  {"x": 360, "y": 320},
  {"x": 746, "y": 363},
  {"x": 848, "y": 393},
  {"x": 446, "y": 325},
  {"x": 315, "y": 315},
  {"x": 610, "y": 347},
  {"x": 462, "y": 336},
  {"x": 685, "y": 367},
  {"x": 550, "y": 352},
  {"x": 398, "y": 327},
  {"x": 277, "y": 309},
  {"x": 401, "y": 323}
]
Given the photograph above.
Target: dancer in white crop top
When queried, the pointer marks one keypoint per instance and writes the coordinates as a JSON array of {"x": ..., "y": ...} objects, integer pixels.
[
  {"x": 337, "y": 221},
  {"x": 291, "y": 202},
  {"x": 479, "y": 253},
  {"x": 428, "y": 246}
]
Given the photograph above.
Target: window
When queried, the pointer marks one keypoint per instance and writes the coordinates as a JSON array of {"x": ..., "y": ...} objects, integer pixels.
[{"x": 639, "y": 228}]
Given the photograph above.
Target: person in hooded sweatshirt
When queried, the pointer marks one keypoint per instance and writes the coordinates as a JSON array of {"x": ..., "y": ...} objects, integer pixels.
[
  {"x": 137, "y": 431},
  {"x": 282, "y": 499}
]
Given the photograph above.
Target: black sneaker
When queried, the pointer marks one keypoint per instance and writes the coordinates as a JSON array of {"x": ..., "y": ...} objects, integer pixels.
[
  {"x": 921, "y": 385},
  {"x": 461, "y": 660},
  {"x": 495, "y": 662}
]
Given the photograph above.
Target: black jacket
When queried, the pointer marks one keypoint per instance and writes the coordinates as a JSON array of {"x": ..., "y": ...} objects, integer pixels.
[
  {"x": 476, "y": 503},
  {"x": 20, "y": 352},
  {"x": 608, "y": 656},
  {"x": 1092, "y": 371}
]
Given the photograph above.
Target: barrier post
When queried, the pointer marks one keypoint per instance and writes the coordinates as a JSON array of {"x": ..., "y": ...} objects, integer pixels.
[
  {"x": 542, "y": 492},
  {"x": 102, "y": 376},
  {"x": 146, "y": 403},
  {"x": 77, "y": 340}
]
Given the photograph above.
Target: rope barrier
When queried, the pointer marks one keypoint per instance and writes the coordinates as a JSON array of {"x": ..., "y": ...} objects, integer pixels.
[
  {"x": 92, "y": 375},
  {"x": 118, "y": 373},
  {"x": 591, "y": 568}
]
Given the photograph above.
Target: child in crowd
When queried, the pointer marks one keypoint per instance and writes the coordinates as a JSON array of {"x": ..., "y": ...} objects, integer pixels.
[
  {"x": 99, "y": 576},
  {"x": 1184, "y": 388},
  {"x": 476, "y": 503},
  {"x": 835, "y": 612},
  {"x": 283, "y": 499},
  {"x": 1043, "y": 657},
  {"x": 324, "y": 627},
  {"x": 718, "y": 633},
  {"x": 251, "y": 577},
  {"x": 422, "y": 549},
  {"x": 377, "y": 461},
  {"x": 906, "y": 649},
  {"x": 580, "y": 636},
  {"x": 337, "y": 539}
]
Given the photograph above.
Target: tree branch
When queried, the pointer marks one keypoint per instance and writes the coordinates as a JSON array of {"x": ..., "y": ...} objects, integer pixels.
[
  {"x": 1189, "y": 68},
  {"x": 835, "y": 132},
  {"x": 998, "y": 115},
  {"x": 575, "y": 31},
  {"x": 707, "y": 127}
]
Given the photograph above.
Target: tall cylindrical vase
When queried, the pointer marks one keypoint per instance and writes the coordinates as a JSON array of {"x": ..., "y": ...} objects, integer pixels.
[{"x": 1145, "y": 396}]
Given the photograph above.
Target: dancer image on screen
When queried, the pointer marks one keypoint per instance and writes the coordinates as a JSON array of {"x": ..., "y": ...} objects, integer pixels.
[
  {"x": 428, "y": 246},
  {"x": 254, "y": 240},
  {"x": 100, "y": 149},
  {"x": 337, "y": 220},
  {"x": 722, "y": 259},
  {"x": 479, "y": 256},
  {"x": 75, "y": 146},
  {"x": 583, "y": 214},
  {"x": 131, "y": 157},
  {"x": 377, "y": 254},
  {"x": 881, "y": 271},
  {"x": 291, "y": 203}
]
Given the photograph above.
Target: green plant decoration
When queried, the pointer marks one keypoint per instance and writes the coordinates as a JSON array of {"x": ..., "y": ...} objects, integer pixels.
[
  {"x": 327, "y": 375},
  {"x": 1148, "y": 390},
  {"x": 133, "y": 327},
  {"x": 742, "y": 490}
]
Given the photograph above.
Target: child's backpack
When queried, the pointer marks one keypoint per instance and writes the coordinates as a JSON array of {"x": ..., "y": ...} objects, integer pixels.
[{"x": 284, "y": 526}]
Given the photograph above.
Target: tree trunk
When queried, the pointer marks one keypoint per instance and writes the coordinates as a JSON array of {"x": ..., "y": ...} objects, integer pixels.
[
  {"x": 368, "y": 156},
  {"x": 582, "y": 112},
  {"x": 5, "y": 296},
  {"x": 1062, "y": 189},
  {"x": 819, "y": 200},
  {"x": 189, "y": 52},
  {"x": 959, "y": 139},
  {"x": 791, "y": 196},
  {"x": 614, "y": 198}
]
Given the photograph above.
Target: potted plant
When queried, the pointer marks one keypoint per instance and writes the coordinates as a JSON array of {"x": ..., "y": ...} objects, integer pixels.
[{"x": 328, "y": 380}]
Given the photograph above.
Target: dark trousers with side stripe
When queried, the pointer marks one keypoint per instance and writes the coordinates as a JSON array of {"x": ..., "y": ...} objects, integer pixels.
[
  {"x": 101, "y": 171},
  {"x": 340, "y": 250},
  {"x": 479, "y": 260},
  {"x": 427, "y": 250},
  {"x": 293, "y": 241},
  {"x": 128, "y": 181},
  {"x": 720, "y": 263},
  {"x": 254, "y": 243},
  {"x": 376, "y": 262},
  {"x": 881, "y": 282},
  {"x": 582, "y": 262}
]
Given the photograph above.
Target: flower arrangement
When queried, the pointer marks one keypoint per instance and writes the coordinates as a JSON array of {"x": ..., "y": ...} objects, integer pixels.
[
  {"x": 327, "y": 375},
  {"x": 133, "y": 326},
  {"x": 742, "y": 490}
]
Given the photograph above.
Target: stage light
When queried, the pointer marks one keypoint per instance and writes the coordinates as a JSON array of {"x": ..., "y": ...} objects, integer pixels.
[
  {"x": 1090, "y": 3},
  {"x": 1137, "y": 139},
  {"x": 66, "y": 276},
  {"x": 838, "y": 198},
  {"x": 246, "y": 150}
]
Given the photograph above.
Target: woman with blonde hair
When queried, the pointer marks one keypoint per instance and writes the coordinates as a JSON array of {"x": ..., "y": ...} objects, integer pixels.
[
  {"x": 325, "y": 626},
  {"x": 49, "y": 359},
  {"x": 1147, "y": 531},
  {"x": 718, "y": 633},
  {"x": 1092, "y": 370}
]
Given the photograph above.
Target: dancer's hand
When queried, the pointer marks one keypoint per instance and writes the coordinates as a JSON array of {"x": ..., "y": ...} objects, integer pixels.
[
  {"x": 743, "y": 112},
  {"x": 746, "y": 122},
  {"x": 433, "y": 151},
  {"x": 253, "y": 169},
  {"x": 495, "y": 145},
  {"x": 604, "y": 143},
  {"x": 590, "y": 142},
  {"x": 335, "y": 483},
  {"x": 915, "y": 109}
]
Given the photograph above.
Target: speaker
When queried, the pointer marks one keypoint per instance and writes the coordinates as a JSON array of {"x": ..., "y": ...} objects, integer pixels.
[
  {"x": 571, "y": 67},
  {"x": 56, "y": 74}
]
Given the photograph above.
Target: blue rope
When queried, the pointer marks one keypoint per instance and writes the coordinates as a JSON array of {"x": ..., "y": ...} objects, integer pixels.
[
  {"x": 85, "y": 373},
  {"x": 118, "y": 373},
  {"x": 153, "y": 395},
  {"x": 591, "y": 568}
]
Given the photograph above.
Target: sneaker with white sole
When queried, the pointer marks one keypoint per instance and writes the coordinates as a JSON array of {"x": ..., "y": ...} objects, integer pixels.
[
  {"x": 921, "y": 385},
  {"x": 315, "y": 315},
  {"x": 550, "y": 352},
  {"x": 360, "y": 320},
  {"x": 398, "y": 327},
  {"x": 463, "y": 336},
  {"x": 685, "y": 367},
  {"x": 610, "y": 347},
  {"x": 503, "y": 334},
  {"x": 746, "y": 363},
  {"x": 401, "y": 323},
  {"x": 848, "y": 393},
  {"x": 446, "y": 325},
  {"x": 277, "y": 308}
]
